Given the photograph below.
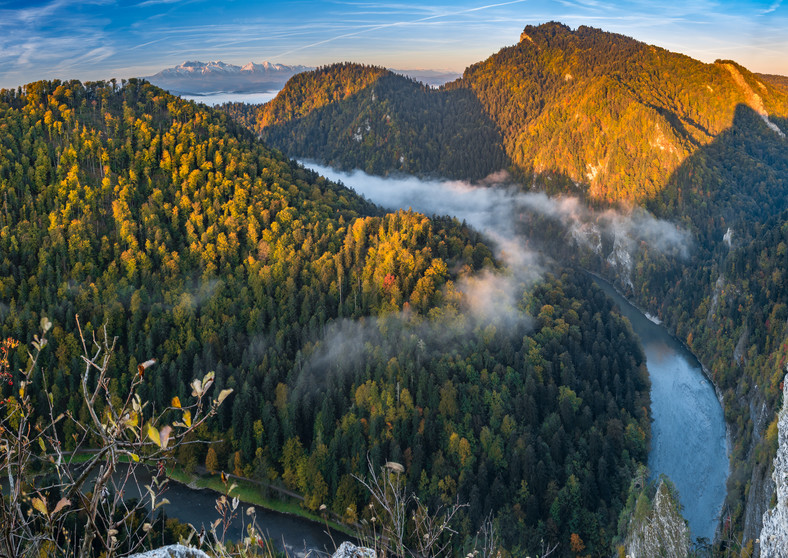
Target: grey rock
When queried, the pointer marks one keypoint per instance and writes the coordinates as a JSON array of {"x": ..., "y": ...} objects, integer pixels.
[
  {"x": 774, "y": 534},
  {"x": 173, "y": 551},
  {"x": 662, "y": 532},
  {"x": 349, "y": 550}
]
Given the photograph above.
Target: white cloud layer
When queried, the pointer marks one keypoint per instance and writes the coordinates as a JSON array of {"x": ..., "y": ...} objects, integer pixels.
[{"x": 495, "y": 207}]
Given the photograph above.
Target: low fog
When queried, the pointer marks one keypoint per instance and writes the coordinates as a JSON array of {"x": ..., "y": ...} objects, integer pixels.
[{"x": 495, "y": 207}]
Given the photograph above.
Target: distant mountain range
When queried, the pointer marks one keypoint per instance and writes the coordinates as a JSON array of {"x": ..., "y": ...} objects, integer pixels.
[
  {"x": 217, "y": 76},
  {"x": 209, "y": 77}
]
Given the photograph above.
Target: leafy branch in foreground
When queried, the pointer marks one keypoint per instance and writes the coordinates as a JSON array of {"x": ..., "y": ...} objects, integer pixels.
[
  {"x": 408, "y": 527},
  {"x": 77, "y": 502}
]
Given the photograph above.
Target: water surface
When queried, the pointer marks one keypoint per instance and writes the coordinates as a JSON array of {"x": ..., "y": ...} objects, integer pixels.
[
  {"x": 295, "y": 534},
  {"x": 688, "y": 438}
]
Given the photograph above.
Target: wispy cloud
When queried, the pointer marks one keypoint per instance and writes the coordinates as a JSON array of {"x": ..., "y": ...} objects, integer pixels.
[
  {"x": 148, "y": 3},
  {"x": 29, "y": 38},
  {"x": 402, "y": 23},
  {"x": 43, "y": 39}
]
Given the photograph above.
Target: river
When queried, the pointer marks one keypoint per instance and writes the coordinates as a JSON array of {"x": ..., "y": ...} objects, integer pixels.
[
  {"x": 688, "y": 437},
  {"x": 296, "y": 535}
]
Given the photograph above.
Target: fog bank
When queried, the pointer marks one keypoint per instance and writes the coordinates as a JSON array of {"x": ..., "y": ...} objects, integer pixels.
[{"x": 495, "y": 206}]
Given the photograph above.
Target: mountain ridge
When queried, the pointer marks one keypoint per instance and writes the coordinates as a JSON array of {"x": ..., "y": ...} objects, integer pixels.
[
  {"x": 194, "y": 76},
  {"x": 217, "y": 66},
  {"x": 204, "y": 77},
  {"x": 346, "y": 333},
  {"x": 611, "y": 114}
]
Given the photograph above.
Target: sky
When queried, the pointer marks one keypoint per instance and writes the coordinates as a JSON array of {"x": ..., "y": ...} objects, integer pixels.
[{"x": 102, "y": 39}]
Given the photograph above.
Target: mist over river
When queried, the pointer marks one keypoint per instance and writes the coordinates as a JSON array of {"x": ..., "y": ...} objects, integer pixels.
[
  {"x": 688, "y": 442},
  {"x": 688, "y": 436}
]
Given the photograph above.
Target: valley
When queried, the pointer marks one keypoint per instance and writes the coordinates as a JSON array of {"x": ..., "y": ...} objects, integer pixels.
[{"x": 382, "y": 275}]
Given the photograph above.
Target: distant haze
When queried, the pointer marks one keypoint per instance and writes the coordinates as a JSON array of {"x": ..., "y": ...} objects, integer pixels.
[
  {"x": 434, "y": 78},
  {"x": 200, "y": 78},
  {"x": 213, "y": 99},
  {"x": 217, "y": 82}
]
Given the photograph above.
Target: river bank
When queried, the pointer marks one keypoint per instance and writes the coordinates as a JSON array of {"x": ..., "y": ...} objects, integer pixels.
[{"x": 658, "y": 322}]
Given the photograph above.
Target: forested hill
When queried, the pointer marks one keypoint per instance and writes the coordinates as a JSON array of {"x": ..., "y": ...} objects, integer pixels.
[
  {"x": 344, "y": 331},
  {"x": 779, "y": 81},
  {"x": 600, "y": 115},
  {"x": 614, "y": 116},
  {"x": 354, "y": 116}
]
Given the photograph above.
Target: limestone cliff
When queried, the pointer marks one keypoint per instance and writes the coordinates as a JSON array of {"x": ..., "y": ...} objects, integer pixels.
[
  {"x": 658, "y": 529},
  {"x": 774, "y": 534}
]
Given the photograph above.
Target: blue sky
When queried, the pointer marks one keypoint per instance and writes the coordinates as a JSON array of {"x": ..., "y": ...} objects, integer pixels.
[{"x": 101, "y": 39}]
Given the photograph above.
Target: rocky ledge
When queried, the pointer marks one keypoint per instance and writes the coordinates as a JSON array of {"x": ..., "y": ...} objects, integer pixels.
[
  {"x": 345, "y": 550},
  {"x": 173, "y": 551},
  {"x": 774, "y": 533}
]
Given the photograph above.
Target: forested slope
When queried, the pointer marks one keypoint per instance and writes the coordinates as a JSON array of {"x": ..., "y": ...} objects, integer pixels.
[
  {"x": 353, "y": 116},
  {"x": 601, "y": 113},
  {"x": 777, "y": 80},
  {"x": 344, "y": 331},
  {"x": 724, "y": 298},
  {"x": 616, "y": 121},
  {"x": 611, "y": 113}
]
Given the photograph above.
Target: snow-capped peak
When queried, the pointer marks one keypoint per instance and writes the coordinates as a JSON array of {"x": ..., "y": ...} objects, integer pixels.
[
  {"x": 193, "y": 68},
  {"x": 197, "y": 77}
]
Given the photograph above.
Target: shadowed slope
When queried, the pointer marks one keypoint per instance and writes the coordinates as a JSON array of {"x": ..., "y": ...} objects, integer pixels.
[
  {"x": 353, "y": 116},
  {"x": 611, "y": 116}
]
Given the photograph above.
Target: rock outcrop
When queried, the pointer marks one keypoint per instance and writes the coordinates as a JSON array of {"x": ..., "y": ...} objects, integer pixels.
[
  {"x": 345, "y": 550},
  {"x": 349, "y": 550},
  {"x": 658, "y": 529},
  {"x": 774, "y": 533},
  {"x": 173, "y": 551}
]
